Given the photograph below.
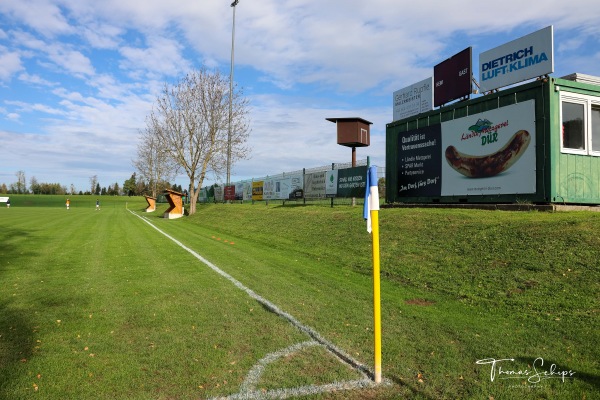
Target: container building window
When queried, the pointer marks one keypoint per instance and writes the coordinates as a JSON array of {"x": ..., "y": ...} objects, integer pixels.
[
  {"x": 573, "y": 135},
  {"x": 596, "y": 128},
  {"x": 580, "y": 124}
]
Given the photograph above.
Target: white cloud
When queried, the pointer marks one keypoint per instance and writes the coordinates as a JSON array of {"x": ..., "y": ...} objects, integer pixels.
[
  {"x": 35, "y": 80},
  {"x": 162, "y": 57},
  {"x": 10, "y": 64},
  {"x": 288, "y": 136},
  {"x": 41, "y": 15},
  {"x": 24, "y": 107}
]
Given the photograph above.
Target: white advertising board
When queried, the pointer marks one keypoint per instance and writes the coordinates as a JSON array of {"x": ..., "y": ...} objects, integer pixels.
[
  {"x": 219, "y": 193},
  {"x": 269, "y": 189},
  {"x": 314, "y": 185},
  {"x": 414, "y": 99},
  {"x": 527, "y": 57},
  {"x": 279, "y": 188},
  {"x": 247, "y": 191}
]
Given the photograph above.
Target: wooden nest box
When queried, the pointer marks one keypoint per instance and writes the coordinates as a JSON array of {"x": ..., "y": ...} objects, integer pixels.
[{"x": 352, "y": 132}]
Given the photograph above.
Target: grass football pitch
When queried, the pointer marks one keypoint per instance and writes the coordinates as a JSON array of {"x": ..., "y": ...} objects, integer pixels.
[{"x": 255, "y": 301}]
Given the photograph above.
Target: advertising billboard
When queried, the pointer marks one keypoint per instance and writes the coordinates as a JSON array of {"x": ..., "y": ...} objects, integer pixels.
[
  {"x": 352, "y": 182},
  {"x": 218, "y": 190},
  {"x": 268, "y": 189},
  {"x": 229, "y": 193},
  {"x": 279, "y": 188},
  {"x": 414, "y": 99},
  {"x": 257, "y": 190},
  {"x": 489, "y": 153},
  {"x": 331, "y": 179},
  {"x": 239, "y": 190},
  {"x": 247, "y": 191},
  {"x": 527, "y": 57},
  {"x": 419, "y": 162},
  {"x": 314, "y": 185},
  {"x": 452, "y": 78},
  {"x": 288, "y": 184}
]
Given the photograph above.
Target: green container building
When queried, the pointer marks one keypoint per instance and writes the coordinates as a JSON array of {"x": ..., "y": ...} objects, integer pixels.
[{"x": 537, "y": 143}]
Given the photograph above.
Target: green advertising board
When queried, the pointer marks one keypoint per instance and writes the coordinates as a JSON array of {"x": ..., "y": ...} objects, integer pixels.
[{"x": 351, "y": 182}]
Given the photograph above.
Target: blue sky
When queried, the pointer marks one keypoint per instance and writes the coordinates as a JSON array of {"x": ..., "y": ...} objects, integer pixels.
[{"x": 78, "y": 77}]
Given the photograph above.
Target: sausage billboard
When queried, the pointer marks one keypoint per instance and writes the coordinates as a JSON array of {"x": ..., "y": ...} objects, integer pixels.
[{"x": 488, "y": 153}]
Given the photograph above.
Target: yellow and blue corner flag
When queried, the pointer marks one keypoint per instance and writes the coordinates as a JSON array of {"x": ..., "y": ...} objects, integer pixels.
[{"x": 371, "y": 195}]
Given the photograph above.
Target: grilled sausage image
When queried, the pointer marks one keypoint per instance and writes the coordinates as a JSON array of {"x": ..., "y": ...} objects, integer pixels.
[{"x": 491, "y": 164}]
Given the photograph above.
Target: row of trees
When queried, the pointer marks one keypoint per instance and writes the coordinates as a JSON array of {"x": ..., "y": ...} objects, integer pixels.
[
  {"x": 35, "y": 187},
  {"x": 132, "y": 186},
  {"x": 197, "y": 126}
]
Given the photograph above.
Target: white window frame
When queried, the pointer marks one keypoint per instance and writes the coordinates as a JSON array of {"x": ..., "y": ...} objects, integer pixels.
[
  {"x": 595, "y": 102},
  {"x": 587, "y": 102}
]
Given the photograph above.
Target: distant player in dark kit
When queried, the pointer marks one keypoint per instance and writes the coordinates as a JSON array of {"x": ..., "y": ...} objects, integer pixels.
[{"x": 97, "y": 205}]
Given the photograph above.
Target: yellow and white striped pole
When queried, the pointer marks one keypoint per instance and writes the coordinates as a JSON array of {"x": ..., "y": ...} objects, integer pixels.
[{"x": 371, "y": 214}]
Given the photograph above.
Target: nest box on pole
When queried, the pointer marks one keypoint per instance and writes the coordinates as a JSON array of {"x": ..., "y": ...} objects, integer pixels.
[{"x": 352, "y": 132}]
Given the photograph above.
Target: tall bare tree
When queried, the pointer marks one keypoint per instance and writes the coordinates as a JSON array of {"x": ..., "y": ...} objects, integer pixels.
[
  {"x": 34, "y": 186},
  {"x": 21, "y": 182},
  {"x": 191, "y": 119},
  {"x": 93, "y": 183},
  {"x": 153, "y": 162}
]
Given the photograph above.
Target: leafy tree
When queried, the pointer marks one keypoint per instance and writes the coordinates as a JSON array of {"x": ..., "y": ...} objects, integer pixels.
[{"x": 130, "y": 186}]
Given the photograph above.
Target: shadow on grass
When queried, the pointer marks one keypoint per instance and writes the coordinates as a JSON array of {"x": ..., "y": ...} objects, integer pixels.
[
  {"x": 16, "y": 330},
  {"x": 16, "y": 341}
]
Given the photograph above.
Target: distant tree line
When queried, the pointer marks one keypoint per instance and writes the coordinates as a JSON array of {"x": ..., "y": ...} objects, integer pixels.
[{"x": 132, "y": 187}]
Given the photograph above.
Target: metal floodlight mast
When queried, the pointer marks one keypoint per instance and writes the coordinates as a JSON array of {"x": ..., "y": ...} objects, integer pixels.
[{"x": 235, "y": 3}]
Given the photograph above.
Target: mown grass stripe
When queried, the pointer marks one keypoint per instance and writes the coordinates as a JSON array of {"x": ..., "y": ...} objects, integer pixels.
[{"x": 339, "y": 353}]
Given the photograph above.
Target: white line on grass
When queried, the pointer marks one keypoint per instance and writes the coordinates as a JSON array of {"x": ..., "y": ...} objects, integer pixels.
[{"x": 345, "y": 358}]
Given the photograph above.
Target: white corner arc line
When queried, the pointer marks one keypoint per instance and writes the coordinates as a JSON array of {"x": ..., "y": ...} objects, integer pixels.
[{"x": 345, "y": 358}]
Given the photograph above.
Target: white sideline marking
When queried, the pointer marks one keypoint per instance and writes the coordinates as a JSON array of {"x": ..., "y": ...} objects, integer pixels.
[{"x": 249, "y": 382}]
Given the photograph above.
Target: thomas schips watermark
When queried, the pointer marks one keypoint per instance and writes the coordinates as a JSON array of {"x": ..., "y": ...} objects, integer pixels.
[{"x": 534, "y": 374}]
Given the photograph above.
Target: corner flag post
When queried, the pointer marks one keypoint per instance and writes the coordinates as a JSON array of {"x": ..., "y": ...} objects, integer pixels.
[{"x": 371, "y": 214}]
